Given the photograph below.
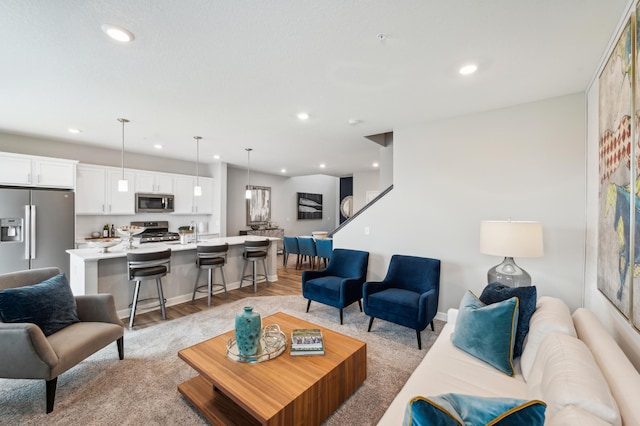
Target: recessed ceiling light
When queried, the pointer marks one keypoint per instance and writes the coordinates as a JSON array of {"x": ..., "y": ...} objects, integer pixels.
[
  {"x": 303, "y": 116},
  {"x": 74, "y": 131},
  {"x": 375, "y": 164},
  {"x": 354, "y": 121},
  {"x": 468, "y": 69},
  {"x": 118, "y": 33},
  {"x": 157, "y": 146},
  {"x": 283, "y": 170},
  {"x": 217, "y": 157},
  {"x": 322, "y": 165}
]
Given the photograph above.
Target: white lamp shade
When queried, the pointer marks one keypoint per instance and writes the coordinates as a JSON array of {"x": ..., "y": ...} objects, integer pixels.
[
  {"x": 247, "y": 194},
  {"x": 511, "y": 239},
  {"x": 123, "y": 185},
  {"x": 197, "y": 190}
]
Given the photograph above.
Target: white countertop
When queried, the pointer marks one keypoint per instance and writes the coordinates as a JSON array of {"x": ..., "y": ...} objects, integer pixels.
[{"x": 93, "y": 253}]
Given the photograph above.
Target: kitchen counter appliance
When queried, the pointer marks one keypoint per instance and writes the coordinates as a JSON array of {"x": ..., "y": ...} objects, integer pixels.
[
  {"x": 154, "y": 203},
  {"x": 156, "y": 231}
]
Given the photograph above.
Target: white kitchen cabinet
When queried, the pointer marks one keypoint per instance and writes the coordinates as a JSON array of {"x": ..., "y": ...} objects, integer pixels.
[
  {"x": 185, "y": 202},
  {"x": 33, "y": 171},
  {"x": 97, "y": 191},
  {"x": 154, "y": 183}
]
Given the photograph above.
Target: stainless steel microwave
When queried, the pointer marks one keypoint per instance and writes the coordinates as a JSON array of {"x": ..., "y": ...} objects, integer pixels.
[{"x": 154, "y": 203}]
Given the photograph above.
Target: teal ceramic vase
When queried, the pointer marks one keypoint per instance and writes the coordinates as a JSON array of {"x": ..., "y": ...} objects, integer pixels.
[{"x": 248, "y": 330}]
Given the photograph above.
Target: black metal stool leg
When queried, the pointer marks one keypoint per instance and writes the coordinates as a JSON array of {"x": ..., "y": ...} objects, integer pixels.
[
  {"x": 161, "y": 298},
  {"x": 134, "y": 302}
]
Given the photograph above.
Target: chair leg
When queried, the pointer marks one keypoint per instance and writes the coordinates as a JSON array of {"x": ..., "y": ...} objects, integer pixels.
[
  {"x": 255, "y": 277},
  {"x": 298, "y": 262},
  {"x": 209, "y": 288},
  {"x": 266, "y": 277},
  {"x": 134, "y": 303},
  {"x": 224, "y": 283},
  {"x": 120, "y": 343},
  {"x": 285, "y": 258},
  {"x": 51, "y": 393},
  {"x": 419, "y": 339},
  {"x": 360, "y": 304},
  {"x": 244, "y": 271},
  {"x": 340, "y": 316},
  {"x": 370, "y": 323},
  {"x": 161, "y": 298},
  {"x": 432, "y": 329},
  {"x": 308, "y": 304},
  {"x": 195, "y": 286}
]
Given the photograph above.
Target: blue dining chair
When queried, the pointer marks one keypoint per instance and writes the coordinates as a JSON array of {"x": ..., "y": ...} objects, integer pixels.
[
  {"x": 291, "y": 247},
  {"x": 407, "y": 296},
  {"x": 307, "y": 248},
  {"x": 324, "y": 248}
]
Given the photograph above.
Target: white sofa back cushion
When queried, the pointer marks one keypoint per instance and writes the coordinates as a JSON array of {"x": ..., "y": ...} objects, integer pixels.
[
  {"x": 565, "y": 373},
  {"x": 572, "y": 415},
  {"x": 551, "y": 315},
  {"x": 623, "y": 378}
]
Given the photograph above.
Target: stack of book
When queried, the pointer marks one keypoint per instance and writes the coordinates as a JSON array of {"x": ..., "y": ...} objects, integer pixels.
[{"x": 307, "y": 341}]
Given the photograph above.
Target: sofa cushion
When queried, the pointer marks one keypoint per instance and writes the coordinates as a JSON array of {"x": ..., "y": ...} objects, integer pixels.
[
  {"x": 50, "y": 305},
  {"x": 496, "y": 292},
  {"x": 572, "y": 415},
  {"x": 551, "y": 315},
  {"x": 487, "y": 331},
  {"x": 565, "y": 373},
  {"x": 457, "y": 409}
]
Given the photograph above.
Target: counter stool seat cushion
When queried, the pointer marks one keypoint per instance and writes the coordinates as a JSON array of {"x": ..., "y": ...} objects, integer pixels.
[
  {"x": 149, "y": 272},
  {"x": 255, "y": 254},
  {"x": 211, "y": 261}
]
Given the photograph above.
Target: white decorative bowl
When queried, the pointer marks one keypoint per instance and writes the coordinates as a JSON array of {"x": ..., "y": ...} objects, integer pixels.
[{"x": 320, "y": 235}]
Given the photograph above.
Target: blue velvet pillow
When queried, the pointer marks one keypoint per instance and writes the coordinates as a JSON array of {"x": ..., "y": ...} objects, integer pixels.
[
  {"x": 50, "y": 305},
  {"x": 457, "y": 410},
  {"x": 487, "y": 331},
  {"x": 496, "y": 292}
]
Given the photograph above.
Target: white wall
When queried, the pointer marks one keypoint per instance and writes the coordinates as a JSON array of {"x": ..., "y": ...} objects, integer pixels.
[
  {"x": 526, "y": 162},
  {"x": 364, "y": 182},
  {"x": 386, "y": 163},
  {"x": 283, "y": 201}
]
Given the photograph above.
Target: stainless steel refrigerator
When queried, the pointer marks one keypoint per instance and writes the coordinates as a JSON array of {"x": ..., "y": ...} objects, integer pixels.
[{"x": 36, "y": 228}]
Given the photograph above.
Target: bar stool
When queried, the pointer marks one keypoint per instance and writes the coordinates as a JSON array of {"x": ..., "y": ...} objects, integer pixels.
[
  {"x": 148, "y": 266},
  {"x": 211, "y": 258},
  {"x": 253, "y": 252}
]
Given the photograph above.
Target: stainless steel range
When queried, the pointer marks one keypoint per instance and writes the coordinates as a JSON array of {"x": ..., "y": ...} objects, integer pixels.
[{"x": 156, "y": 232}]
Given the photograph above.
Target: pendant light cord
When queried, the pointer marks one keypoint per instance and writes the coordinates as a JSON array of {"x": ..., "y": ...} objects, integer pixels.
[
  {"x": 248, "y": 166},
  {"x": 197, "y": 138},
  {"x": 123, "y": 120}
]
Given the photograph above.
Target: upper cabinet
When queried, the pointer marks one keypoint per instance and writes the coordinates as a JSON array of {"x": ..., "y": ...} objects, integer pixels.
[
  {"x": 28, "y": 170},
  {"x": 185, "y": 202},
  {"x": 154, "y": 183},
  {"x": 97, "y": 191}
]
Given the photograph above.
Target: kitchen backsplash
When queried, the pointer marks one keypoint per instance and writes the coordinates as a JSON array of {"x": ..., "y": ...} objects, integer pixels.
[{"x": 86, "y": 224}]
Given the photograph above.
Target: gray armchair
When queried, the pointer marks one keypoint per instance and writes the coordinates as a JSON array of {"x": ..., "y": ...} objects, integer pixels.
[{"x": 28, "y": 354}]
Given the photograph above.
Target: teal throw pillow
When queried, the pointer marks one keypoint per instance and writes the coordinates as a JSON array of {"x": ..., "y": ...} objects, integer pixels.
[
  {"x": 487, "y": 332},
  {"x": 527, "y": 298},
  {"x": 467, "y": 410},
  {"x": 50, "y": 305}
]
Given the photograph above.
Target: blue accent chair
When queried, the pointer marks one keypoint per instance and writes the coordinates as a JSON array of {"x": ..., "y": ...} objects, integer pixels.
[
  {"x": 340, "y": 284},
  {"x": 408, "y": 295},
  {"x": 291, "y": 247},
  {"x": 307, "y": 248},
  {"x": 324, "y": 248}
]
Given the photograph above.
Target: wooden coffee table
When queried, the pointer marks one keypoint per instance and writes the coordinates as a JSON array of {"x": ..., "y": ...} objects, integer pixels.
[{"x": 298, "y": 390}]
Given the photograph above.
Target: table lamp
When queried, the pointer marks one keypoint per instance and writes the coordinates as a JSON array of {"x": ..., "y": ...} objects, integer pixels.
[{"x": 510, "y": 239}]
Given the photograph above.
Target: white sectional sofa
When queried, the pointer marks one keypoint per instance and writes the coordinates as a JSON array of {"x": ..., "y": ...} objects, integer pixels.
[{"x": 569, "y": 361}]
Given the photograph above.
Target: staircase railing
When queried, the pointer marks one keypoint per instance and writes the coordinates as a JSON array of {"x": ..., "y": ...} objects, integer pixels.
[{"x": 359, "y": 212}]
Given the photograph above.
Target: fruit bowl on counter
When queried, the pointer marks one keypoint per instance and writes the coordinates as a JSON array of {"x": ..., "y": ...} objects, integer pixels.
[
  {"x": 104, "y": 243},
  {"x": 129, "y": 231}
]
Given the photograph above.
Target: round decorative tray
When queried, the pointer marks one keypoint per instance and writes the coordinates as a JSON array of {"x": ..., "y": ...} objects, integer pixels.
[
  {"x": 104, "y": 243},
  {"x": 270, "y": 347}
]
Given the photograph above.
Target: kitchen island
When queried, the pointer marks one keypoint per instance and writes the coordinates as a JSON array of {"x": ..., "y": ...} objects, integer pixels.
[{"x": 93, "y": 272}]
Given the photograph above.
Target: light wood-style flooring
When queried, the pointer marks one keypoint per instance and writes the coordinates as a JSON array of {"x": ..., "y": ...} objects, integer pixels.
[{"x": 288, "y": 283}]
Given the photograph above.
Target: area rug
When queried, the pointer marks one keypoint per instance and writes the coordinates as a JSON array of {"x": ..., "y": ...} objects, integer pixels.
[{"x": 142, "y": 388}]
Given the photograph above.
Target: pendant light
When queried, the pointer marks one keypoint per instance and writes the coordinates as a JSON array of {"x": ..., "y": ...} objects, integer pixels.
[
  {"x": 247, "y": 193},
  {"x": 123, "y": 185},
  {"x": 197, "y": 190}
]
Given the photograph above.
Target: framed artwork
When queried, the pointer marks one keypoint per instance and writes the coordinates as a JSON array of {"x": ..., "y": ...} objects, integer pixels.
[
  {"x": 309, "y": 206},
  {"x": 617, "y": 196},
  {"x": 259, "y": 206}
]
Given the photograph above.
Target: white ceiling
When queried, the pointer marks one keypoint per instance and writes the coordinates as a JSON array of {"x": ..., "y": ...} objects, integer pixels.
[{"x": 236, "y": 72}]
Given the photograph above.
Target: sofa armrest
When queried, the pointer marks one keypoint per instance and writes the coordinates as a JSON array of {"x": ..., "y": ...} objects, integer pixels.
[
  {"x": 26, "y": 353},
  {"x": 452, "y": 316},
  {"x": 372, "y": 287},
  {"x": 97, "y": 308},
  {"x": 310, "y": 275}
]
